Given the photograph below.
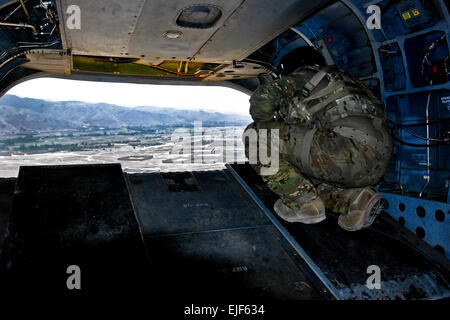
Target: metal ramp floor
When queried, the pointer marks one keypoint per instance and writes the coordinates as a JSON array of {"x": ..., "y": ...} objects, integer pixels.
[
  {"x": 208, "y": 239},
  {"x": 209, "y": 235},
  {"x": 410, "y": 268}
]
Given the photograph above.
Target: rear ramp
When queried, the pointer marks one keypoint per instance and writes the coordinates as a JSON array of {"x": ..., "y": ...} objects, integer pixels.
[
  {"x": 410, "y": 268},
  {"x": 208, "y": 239},
  {"x": 209, "y": 235}
]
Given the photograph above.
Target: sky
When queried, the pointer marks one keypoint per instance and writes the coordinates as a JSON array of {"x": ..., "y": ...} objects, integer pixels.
[{"x": 212, "y": 98}]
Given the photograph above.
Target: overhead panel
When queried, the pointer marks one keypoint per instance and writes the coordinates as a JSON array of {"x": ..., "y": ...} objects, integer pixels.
[
  {"x": 159, "y": 17},
  {"x": 142, "y": 29},
  {"x": 210, "y": 31},
  {"x": 252, "y": 25},
  {"x": 104, "y": 26}
]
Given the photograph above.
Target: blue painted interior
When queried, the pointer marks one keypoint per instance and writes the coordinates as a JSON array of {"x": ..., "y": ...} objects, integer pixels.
[{"x": 391, "y": 62}]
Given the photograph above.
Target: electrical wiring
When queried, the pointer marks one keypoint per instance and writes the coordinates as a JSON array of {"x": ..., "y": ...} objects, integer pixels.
[
  {"x": 418, "y": 136},
  {"x": 418, "y": 145},
  {"x": 27, "y": 47},
  {"x": 428, "y": 51},
  {"x": 421, "y": 124},
  {"x": 167, "y": 70},
  {"x": 20, "y": 54},
  {"x": 270, "y": 68}
]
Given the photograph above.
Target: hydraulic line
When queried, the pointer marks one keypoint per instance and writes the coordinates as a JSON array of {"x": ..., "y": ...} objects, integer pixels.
[
  {"x": 428, "y": 144},
  {"x": 20, "y": 25},
  {"x": 22, "y": 3},
  {"x": 14, "y": 11}
]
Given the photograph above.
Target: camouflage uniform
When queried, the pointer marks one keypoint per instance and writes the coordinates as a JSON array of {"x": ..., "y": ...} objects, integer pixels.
[{"x": 333, "y": 136}]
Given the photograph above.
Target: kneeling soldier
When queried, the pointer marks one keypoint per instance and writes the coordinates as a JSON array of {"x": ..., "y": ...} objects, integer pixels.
[{"x": 334, "y": 146}]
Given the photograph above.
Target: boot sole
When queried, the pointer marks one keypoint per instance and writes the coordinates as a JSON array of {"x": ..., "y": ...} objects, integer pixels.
[
  {"x": 370, "y": 213},
  {"x": 307, "y": 221}
]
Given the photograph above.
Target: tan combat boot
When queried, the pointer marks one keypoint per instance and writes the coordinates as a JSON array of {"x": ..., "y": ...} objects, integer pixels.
[
  {"x": 363, "y": 210},
  {"x": 309, "y": 213}
]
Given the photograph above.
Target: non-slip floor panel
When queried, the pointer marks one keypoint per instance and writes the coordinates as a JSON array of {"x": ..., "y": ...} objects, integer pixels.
[
  {"x": 192, "y": 235},
  {"x": 218, "y": 204},
  {"x": 345, "y": 256},
  {"x": 72, "y": 215},
  {"x": 214, "y": 242},
  {"x": 248, "y": 263}
]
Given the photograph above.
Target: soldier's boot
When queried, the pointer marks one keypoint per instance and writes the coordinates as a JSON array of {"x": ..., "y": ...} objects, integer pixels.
[
  {"x": 358, "y": 207},
  {"x": 363, "y": 210},
  {"x": 298, "y": 197},
  {"x": 308, "y": 213}
]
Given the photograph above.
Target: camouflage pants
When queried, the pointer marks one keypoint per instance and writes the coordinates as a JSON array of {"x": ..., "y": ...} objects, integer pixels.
[{"x": 339, "y": 168}]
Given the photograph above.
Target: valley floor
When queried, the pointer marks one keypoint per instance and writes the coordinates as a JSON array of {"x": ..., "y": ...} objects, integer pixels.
[{"x": 165, "y": 155}]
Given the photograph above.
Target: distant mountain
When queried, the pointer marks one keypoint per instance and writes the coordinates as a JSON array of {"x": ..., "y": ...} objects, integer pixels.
[{"x": 24, "y": 114}]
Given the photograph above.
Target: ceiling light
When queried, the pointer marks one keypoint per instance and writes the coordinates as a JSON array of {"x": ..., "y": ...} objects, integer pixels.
[{"x": 172, "y": 34}]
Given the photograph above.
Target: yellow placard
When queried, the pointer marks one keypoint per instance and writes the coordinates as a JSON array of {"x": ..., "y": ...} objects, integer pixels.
[
  {"x": 406, "y": 15},
  {"x": 416, "y": 12}
]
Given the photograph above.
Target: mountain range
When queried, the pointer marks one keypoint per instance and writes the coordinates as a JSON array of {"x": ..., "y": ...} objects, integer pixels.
[{"x": 20, "y": 115}]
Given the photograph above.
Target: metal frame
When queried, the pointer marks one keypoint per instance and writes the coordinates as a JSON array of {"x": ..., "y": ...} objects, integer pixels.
[
  {"x": 436, "y": 232},
  {"x": 317, "y": 271}
]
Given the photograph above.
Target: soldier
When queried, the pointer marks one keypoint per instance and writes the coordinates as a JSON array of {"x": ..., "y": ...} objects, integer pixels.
[{"x": 334, "y": 146}]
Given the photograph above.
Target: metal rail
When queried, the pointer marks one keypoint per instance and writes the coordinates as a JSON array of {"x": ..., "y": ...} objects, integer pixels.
[
  {"x": 314, "y": 268},
  {"x": 20, "y": 25}
]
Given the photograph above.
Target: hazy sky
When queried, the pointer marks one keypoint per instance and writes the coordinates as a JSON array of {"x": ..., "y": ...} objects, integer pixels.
[{"x": 219, "y": 99}]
